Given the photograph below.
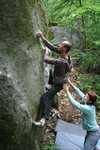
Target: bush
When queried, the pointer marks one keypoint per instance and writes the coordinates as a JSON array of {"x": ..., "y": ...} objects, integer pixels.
[{"x": 89, "y": 61}]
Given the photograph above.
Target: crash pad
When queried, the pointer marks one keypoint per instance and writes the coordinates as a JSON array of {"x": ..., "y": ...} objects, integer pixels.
[{"x": 69, "y": 136}]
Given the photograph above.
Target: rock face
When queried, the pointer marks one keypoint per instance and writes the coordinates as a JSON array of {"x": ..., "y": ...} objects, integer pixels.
[
  {"x": 21, "y": 73},
  {"x": 64, "y": 33}
]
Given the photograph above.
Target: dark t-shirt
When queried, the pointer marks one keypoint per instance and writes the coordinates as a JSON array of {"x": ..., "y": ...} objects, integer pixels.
[{"x": 61, "y": 65}]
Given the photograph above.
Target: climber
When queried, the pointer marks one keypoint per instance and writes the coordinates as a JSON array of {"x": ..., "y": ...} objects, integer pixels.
[
  {"x": 62, "y": 66},
  {"x": 92, "y": 138}
]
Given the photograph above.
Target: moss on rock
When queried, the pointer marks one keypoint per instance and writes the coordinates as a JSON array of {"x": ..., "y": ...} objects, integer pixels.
[{"x": 21, "y": 72}]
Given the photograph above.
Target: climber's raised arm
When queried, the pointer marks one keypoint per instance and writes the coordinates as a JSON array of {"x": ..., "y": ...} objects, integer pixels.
[{"x": 46, "y": 42}]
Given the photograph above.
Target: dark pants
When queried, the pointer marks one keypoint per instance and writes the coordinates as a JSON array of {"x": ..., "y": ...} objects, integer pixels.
[
  {"x": 91, "y": 140},
  {"x": 47, "y": 100}
]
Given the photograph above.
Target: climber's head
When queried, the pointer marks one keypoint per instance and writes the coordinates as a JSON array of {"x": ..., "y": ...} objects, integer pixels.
[{"x": 64, "y": 47}]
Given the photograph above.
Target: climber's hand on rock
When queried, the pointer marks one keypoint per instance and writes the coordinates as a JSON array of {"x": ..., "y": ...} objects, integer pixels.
[{"x": 39, "y": 34}]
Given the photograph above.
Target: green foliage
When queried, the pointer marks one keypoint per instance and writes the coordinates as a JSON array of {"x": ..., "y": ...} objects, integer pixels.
[
  {"x": 90, "y": 60},
  {"x": 77, "y": 55},
  {"x": 82, "y": 15},
  {"x": 90, "y": 82},
  {"x": 87, "y": 60}
]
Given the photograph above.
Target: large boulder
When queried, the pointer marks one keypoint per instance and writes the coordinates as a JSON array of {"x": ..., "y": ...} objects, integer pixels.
[
  {"x": 21, "y": 73},
  {"x": 64, "y": 33}
]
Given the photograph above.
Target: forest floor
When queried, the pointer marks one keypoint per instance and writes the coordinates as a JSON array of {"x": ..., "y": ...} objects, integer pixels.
[{"x": 67, "y": 113}]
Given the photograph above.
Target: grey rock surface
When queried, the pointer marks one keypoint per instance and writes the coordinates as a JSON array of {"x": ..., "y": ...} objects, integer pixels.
[
  {"x": 64, "y": 33},
  {"x": 21, "y": 73}
]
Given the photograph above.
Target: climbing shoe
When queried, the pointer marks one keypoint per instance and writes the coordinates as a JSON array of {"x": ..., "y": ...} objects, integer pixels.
[
  {"x": 55, "y": 113},
  {"x": 40, "y": 123}
]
